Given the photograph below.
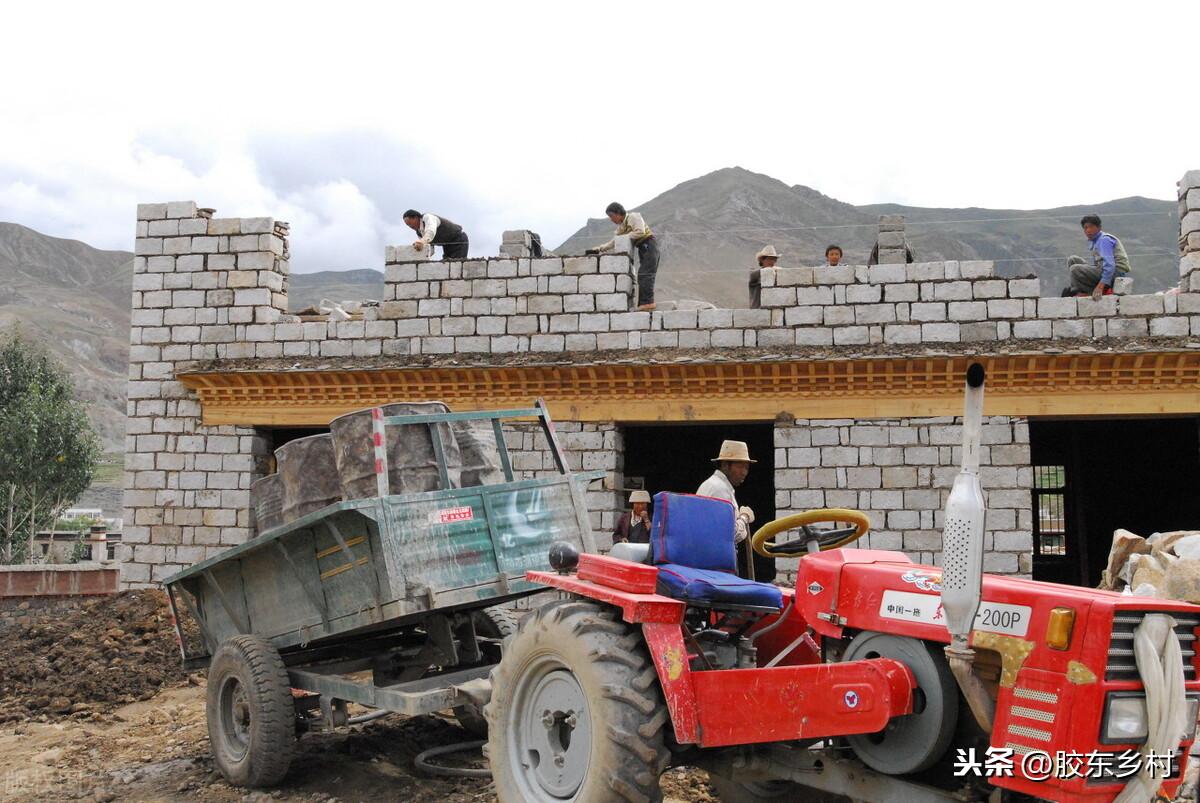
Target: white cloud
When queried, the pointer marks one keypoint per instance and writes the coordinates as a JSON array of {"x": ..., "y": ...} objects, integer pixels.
[{"x": 536, "y": 115}]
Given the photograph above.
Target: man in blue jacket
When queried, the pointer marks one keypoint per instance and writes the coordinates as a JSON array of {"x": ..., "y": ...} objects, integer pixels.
[{"x": 1109, "y": 260}]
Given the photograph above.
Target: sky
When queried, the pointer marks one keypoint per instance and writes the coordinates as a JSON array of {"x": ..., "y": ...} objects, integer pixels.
[{"x": 339, "y": 116}]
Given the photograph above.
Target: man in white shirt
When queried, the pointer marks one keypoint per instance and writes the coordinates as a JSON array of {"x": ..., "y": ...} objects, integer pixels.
[
  {"x": 733, "y": 466},
  {"x": 434, "y": 230}
]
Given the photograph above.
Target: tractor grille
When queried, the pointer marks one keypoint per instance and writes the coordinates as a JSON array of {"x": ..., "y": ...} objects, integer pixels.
[{"x": 1121, "y": 662}]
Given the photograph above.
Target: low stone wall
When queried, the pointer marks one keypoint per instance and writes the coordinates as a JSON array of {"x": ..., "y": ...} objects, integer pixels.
[{"x": 51, "y": 580}]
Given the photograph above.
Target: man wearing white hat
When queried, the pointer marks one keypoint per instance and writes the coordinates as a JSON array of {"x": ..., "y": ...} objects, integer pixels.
[
  {"x": 767, "y": 258},
  {"x": 733, "y": 465},
  {"x": 634, "y": 525}
]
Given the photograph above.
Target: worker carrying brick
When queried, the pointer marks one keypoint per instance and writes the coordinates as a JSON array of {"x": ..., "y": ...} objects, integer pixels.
[
  {"x": 766, "y": 258},
  {"x": 1109, "y": 261},
  {"x": 634, "y": 525},
  {"x": 434, "y": 230},
  {"x": 631, "y": 223},
  {"x": 733, "y": 466}
]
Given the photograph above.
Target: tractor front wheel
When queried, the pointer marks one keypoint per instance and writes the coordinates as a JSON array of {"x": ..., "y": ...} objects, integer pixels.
[{"x": 576, "y": 712}]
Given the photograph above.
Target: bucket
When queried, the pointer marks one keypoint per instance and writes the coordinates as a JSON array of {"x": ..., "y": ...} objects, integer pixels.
[
  {"x": 412, "y": 466},
  {"x": 266, "y": 502},
  {"x": 308, "y": 475}
]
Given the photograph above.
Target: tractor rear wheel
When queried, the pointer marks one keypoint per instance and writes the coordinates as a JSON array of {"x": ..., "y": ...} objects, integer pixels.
[
  {"x": 251, "y": 716},
  {"x": 490, "y": 623},
  {"x": 915, "y": 741},
  {"x": 576, "y": 712}
]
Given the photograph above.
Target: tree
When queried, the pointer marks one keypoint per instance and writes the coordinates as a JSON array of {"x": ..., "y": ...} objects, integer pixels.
[{"x": 48, "y": 449}]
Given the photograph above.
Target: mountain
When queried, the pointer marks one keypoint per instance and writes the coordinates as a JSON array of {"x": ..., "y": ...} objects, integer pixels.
[
  {"x": 711, "y": 227},
  {"x": 75, "y": 298}
]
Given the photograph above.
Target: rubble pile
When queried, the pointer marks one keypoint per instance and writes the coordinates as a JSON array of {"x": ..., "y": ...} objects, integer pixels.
[
  {"x": 108, "y": 652},
  {"x": 1165, "y": 565}
]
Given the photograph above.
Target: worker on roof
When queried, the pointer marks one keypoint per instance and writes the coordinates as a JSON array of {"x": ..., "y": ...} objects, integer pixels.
[
  {"x": 733, "y": 466},
  {"x": 634, "y": 525},
  {"x": 1109, "y": 261},
  {"x": 631, "y": 223},
  {"x": 434, "y": 230},
  {"x": 833, "y": 256},
  {"x": 767, "y": 258}
]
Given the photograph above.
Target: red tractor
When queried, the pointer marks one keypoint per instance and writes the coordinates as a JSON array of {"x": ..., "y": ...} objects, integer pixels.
[{"x": 875, "y": 678}]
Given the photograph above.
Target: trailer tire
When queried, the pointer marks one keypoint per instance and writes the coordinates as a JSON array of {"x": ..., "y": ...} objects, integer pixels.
[
  {"x": 497, "y": 623},
  {"x": 913, "y": 742},
  {"x": 576, "y": 713},
  {"x": 251, "y": 717}
]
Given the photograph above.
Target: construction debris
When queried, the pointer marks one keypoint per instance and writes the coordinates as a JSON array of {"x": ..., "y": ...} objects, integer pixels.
[{"x": 1165, "y": 565}]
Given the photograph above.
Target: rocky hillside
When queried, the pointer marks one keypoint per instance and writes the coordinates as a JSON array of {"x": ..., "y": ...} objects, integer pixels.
[
  {"x": 711, "y": 227},
  {"x": 75, "y": 298}
]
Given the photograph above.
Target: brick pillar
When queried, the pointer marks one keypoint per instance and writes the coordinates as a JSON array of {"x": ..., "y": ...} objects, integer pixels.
[
  {"x": 890, "y": 240},
  {"x": 1189, "y": 232},
  {"x": 203, "y": 288}
]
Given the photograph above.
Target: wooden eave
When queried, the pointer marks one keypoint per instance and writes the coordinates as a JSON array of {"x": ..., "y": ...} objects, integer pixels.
[{"x": 1066, "y": 384}]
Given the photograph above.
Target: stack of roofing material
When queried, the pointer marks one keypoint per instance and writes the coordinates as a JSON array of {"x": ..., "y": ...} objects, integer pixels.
[
  {"x": 308, "y": 473},
  {"x": 412, "y": 461}
]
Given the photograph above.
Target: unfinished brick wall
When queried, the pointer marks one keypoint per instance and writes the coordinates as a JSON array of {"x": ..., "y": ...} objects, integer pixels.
[
  {"x": 203, "y": 288},
  {"x": 899, "y": 472}
]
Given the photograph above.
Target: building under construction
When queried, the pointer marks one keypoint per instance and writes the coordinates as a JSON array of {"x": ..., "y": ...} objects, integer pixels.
[{"x": 844, "y": 383}]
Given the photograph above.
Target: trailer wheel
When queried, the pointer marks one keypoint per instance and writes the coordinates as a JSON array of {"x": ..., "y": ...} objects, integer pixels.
[
  {"x": 576, "y": 711},
  {"x": 251, "y": 726},
  {"x": 495, "y": 623},
  {"x": 915, "y": 741}
]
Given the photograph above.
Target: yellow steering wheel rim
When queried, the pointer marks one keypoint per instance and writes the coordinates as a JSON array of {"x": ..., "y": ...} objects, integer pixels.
[{"x": 762, "y": 546}]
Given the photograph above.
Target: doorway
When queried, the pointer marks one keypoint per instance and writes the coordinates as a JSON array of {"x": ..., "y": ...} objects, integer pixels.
[
  {"x": 1096, "y": 476},
  {"x": 678, "y": 457}
]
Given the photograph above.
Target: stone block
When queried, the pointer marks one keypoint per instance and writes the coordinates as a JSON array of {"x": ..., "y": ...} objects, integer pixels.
[
  {"x": 1024, "y": 288},
  {"x": 751, "y": 318},
  {"x": 778, "y": 296},
  {"x": 405, "y": 253},
  {"x": 1127, "y": 327},
  {"x": 598, "y": 283},
  {"x": 151, "y": 211},
  {"x": 814, "y": 336},
  {"x": 615, "y": 263},
  {"x": 803, "y": 316},
  {"x": 790, "y": 277},
  {"x": 1032, "y": 329},
  {"x": 575, "y": 266},
  {"x": 398, "y": 309},
  {"x": 879, "y": 274},
  {"x": 980, "y": 332},
  {"x": 928, "y": 311},
  {"x": 679, "y": 319},
  {"x": 1071, "y": 328},
  {"x": 715, "y": 318},
  {"x": 967, "y": 310},
  {"x": 840, "y": 274},
  {"x": 821, "y": 294},
  {"x": 1105, "y": 307},
  {"x": 893, "y": 293},
  {"x": 902, "y": 334},
  {"x": 1169, "y": 327},
  {"x": 1008, "y": 308},
  {"x": 1057, "y": 307},
  {"x": 178, "y": 209},
  {"x": 1140, "y": 305},
  {"x": 952, "y": 291},
  {"x": 940, "y": 332},
  {"x": 864, "y": 294},
  {"x": 892, "y": 256},
  {"x": 925, "y": 271},
  {"x": 890, "y": 239},
  {"x": 850, "y": 336},
  {"x": 977, "y": 269},
  {"x": 625, "y": 321},
  {"x": 1189, "y": 223},
  {"x": 874, "y": 313},
  {"x": 1122, "y": 285}
]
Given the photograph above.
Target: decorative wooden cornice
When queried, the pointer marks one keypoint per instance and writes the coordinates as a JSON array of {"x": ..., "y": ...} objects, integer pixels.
[{"x": 1076, "y": 384}]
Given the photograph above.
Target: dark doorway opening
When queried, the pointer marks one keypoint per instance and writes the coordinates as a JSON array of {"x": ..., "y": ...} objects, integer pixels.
[
  {"x": 1093, "y": 477},
  {"x": 677, "y": 457}
]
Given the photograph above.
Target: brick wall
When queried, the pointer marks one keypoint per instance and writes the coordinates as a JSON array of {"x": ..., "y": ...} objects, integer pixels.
[{"x": 899, "y": 472}]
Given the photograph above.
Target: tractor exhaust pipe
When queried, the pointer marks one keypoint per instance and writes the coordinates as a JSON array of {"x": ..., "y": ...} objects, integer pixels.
[{"x": 962, "y": 555}]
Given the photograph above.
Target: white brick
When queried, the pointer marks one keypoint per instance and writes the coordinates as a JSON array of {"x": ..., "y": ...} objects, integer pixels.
[
  {"x": 1057, "y": 308},
  {"x": 1140, "y": 305},
  {"x": 1024, "y": 288},
  {"x": 940, "y": 332},
  {"x": 952, "y": 291},
  {"x": 181, "y": 209},
  {"x": 1005, "y": 308}
]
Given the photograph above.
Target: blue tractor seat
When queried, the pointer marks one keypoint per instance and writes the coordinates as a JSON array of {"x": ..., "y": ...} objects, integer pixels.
[{"x": 691, "y": 542}]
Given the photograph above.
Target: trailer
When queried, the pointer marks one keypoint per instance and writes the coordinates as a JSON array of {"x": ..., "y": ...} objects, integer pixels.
[{"x": 397, "y": 602}]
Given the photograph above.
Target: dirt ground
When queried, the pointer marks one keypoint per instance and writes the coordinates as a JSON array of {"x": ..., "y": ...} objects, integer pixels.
[
  {"x": 94, "y": 706},
  {"x": 157, "y": 750}
]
